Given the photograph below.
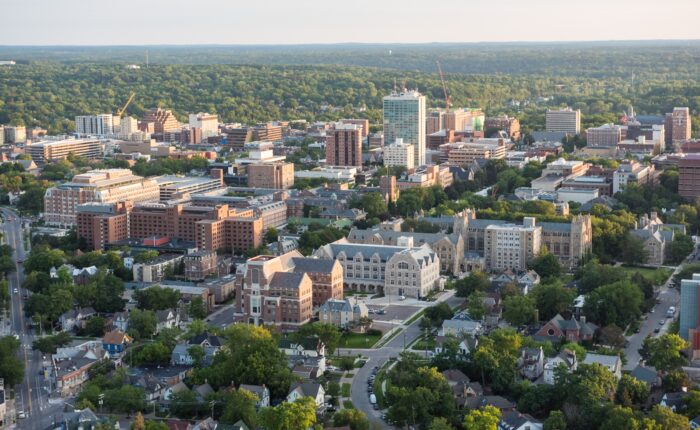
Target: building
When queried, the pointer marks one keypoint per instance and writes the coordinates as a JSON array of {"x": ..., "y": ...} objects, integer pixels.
[
  {"x": 163, "y": 120},
  {"x": 510, "y": 246},
  {"x": 606, "y": 135},
  {"x": 156, "y": 269},
  {"x": 462, "y": 119},
  {"x": 128, "y": 126},
  {"x": 100, "y": 125},
  {"x": 560, "y": 329},
  {"x": 15, "y": 134},
  {"x": 565, "y": 168},
  {"x": 689, "y": 176},
  {"x": 514, "y": 420},
  {"x": 342, "y": 313},
  {"x": 326, "y": 277},
  {"x": 563, "y": 120},
  {"x": 426, "y": 176},
  {"x": 200, "y": 264},
  {"x": 344, "y": 145},
  {"x": 206, "y": 122},
  {"x": 56, "y": 150},
  {"x": 175, "y": 186},
  {"x": 566, "y": 358},
  {"x": 372, "y": 268},
  {"x": 611, "y": 362},
  {"x": 465, "y": 153},
  {"x": 364, "y": 123},
  {"x": 71, "y": 372},
  {"x": 100, "y": 186},
  {"x": 404, "y": 118},
  {"x": 399, "y": 154},
  {"x": 690, "y": 313},
  {"x": 222, "y": 288},
  {"x": 102, "y": 223},
  {"x": 278, "y": 175},
  {"x": 634, "y": 172},
  {"x": 269, "y": 132},
  {"x": 510, "y": 125},
  {"x": 576, "y": 195},
  {"x": 677, "y": 125}
]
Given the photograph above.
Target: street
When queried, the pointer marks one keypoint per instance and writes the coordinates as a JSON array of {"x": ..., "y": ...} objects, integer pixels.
[
  {"x": 378, "y": 357},
  {"x": 31, "y": 396}
]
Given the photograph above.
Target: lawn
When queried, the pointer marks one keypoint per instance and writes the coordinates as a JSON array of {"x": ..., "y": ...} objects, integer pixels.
[
  {"x": 347, "y": 404},
  {"x": 424, "y": 344},
  {"x": 358, "y": 340},
  {"x": 345, "y": 390},
  {"x": 657, "y": 276}
]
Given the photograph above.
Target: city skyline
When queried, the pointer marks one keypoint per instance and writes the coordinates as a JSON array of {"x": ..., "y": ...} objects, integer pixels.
[{"x": 54, "y": 23}]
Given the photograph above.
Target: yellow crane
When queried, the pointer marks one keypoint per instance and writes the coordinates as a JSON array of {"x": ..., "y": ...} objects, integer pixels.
[{"x": 121, "y": 111}]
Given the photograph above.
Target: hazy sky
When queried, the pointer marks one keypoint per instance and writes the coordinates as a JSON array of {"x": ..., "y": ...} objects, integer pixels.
[{"x": 131, "y": 22}]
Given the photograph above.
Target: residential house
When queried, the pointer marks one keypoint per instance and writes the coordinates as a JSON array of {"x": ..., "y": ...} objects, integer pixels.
[
  {"x": 674, "y": 401},
  {"x": 531, "y": 363},
  {"x": 307, "y": 389},
  {"x": 166, "y": 318},
  {"x": 566, "y": 358},
  {"x": 71, "y": 373},
  {"x": 501, "y": 403},
  {"x": 152, "y": 387},
  {"x": 695, "y": 423},
  {"x": 202, "y": 391},
  {"x": 525, "y": 280},
  {"x": 176, "y": 388},
  {"x": 454, "y": 376},
  {"x": 261, "y": 391},
  {"x": 120, "y": 321},
  {"x": 460, "y": 327},
  {"x": 468, "y": 395},
  {"x": 80, "y": 419},
  {"x": 115, "y": 342},
  {"x": 610, "y": 362},
  {"x": 648, "y": 375},
  {"x": 514, "y": 420},
  {"x": 73, "y": 318},
  {"x": 306, "y": 356},
  {"x": 342, "y": 313},
  {"x": 558, "y": 329},
  {"x": 465, "y": 345},
  {"x": 210, "y": 344}
]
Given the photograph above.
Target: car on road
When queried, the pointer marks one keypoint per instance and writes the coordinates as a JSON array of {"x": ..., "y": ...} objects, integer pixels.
[
  {"x": 656, "y": 330},
  {"x": 662, "y": 322},
  {"x": 373, "y": 399},
  {"x": 671, "y": 311},
  {"x": 21, "y": 415},
  {"x": 16, "y": 290}
]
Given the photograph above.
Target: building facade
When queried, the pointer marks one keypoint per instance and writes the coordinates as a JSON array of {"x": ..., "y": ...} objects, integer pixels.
[
  {"x": 399, "y": 154},
  {"x": 344, "y": 145},
  {"x": 563, "y": 120},
  {"x": 605, "y": 135},
  {"x": 404, "y": 118},
  {"x": 102, "y": 223},
  {"x": 206, "y": 122},
  {"x": 509, "y": 246},
  {"x": 689, "y": 176},
  {"x": 101, "y": 125},
  {"x": 49, "y": 151},
  {"x": 271, "y": 175}
]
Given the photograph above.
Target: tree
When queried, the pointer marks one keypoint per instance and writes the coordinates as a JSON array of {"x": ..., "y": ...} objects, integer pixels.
[
  {"x": 584, "y": 392},
  {"x": 675, "y": 380},
  {"x": 593, "y": 275},
  {"x": 519, "y": 310},
  {"x": 475, "y": 281},
  {"x": 197, "y": 353},
  {"x": 575, "y": 347},
  {"x": 633, "y": 250},
  {"x": 440, "y": 423},
  {"x": 486, "y": 418},
  {"x": 153, "y": 354},
  {"x": 555, "y": 421},
  {"x": 666, "y": 419},
  {"x": 49, "y": 344},
  {"x": 184, "y": 404},
  {"x": 157, "y": 298},
  {"x": 618, "y": 303},
  {"x": 664, "y": 352},
  {"x": 681, "y": 246},
  {"x": 271, "y": 235},
  {"x": 374, "y": 205},
  {"x": 95, "y": 326},
  {"x": 476, "y": 307},
  {"x": 612, "y": 335},
  {"x": 125, "y": 399},
  {"x": 43, "y": 258},
  {"x": 142, "y": 324},
  {"x": 354, "y": 418},
  {"x": 240, "y": 405},
  {"x": 692, "y": 404},
  {"x": 289, "y": 416},
  {"x": 11, "y": 368},
  {"x": 551, "y": 299},
  {"x": 145, "y": 256},
  {"x": 197, "y": 309},
  {"x": 631, "y": 392},
  {"x": 327, "y": 333},
  {"x": 139, "y": 423},
  {"x": 438, "y": 313},
  {"x": 546, "y": 265}
]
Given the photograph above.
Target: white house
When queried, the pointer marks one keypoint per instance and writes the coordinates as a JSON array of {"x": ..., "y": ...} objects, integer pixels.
[
  {"x": 464, "y": 346},
  {"x": 307, "y": 389},
  {"x": 460, "y": 327},
  {"x": 566, "y": 358},
  {"x": 261, "y": 391},
  {"x": 610, "y": 362},
  {"x": 514, "y": 420}
]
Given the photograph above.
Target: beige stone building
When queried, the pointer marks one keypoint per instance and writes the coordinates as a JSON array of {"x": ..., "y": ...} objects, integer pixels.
[
  {"x": 342, "y": 313},
  {"x": 510, "y": 246}
]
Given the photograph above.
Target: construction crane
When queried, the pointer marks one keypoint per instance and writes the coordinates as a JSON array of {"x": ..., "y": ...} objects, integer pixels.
[
  {"x": 121, "y": 111},
  {"x": 444, "y": 87}
]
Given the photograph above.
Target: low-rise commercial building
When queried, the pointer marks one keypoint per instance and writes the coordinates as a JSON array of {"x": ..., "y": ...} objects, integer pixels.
[{"x": 50, "y": 151}]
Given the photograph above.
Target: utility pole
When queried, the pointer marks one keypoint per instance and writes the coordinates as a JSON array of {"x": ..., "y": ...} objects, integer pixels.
[
  {"x": 212, "y": 403},
  {"x": 101, "y": 401}
]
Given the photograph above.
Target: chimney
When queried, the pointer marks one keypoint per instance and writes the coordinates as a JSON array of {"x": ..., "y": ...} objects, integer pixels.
[{"x": 582, "y": 319}]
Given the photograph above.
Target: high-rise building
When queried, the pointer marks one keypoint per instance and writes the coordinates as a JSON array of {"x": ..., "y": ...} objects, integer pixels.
[
  {"x": 510, "y": 246},
  {"x": 208, "y": 123},
  {"x": 563, "y": 120},
  {"x": 399, "y": 154},
  {"x": 464, "y": 119},
  {"x": 279, "y": 175},
  {"x": 239, "y": 136},
  {"x": 15, "y": 134},
  {"x": 434, "y": 122},
  {"x": 100, "y": 125},
  {"x": 690, "y": 311},
  {"x": 102, "y": 186},
  {"x": 404, "y": 118},
  {"x": 605, "y": 135},
  {"x": 56, "y": 150},
  {"x": 163, "y": 120},
  {"x": 689, "y": 176},
  {"x": 2, "y": 134},
  {"x": 364, "y": 123},
  {"x": 128, "y": 126},
  {"x": 102, "y": 223},
  {"x": 344, "y": 145},
  {"x": 678, "y": 125}
]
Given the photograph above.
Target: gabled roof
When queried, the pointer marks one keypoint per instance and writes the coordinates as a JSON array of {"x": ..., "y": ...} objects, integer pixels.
[
  {"x": 455, "y": 375},
  {"x": 286, "y": 280},
  {"x": 312, "y": 265},
  {"x": 116, "y": 337},
  {"x": 310, "y": 389},
  {"x": 515, "y": 420},
  {"x": 200, "y": 338},
  {"x": 309, "y": 343},
  {"x": 644, "y": 374}
]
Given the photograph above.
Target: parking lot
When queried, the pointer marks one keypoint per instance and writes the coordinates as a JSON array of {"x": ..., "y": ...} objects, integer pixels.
[{"x": 391, "y": 312}]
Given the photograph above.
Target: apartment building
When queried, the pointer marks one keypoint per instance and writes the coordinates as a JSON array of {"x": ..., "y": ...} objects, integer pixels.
[
  {"x": 399, "y": 154},
  {"x": 273, "y": 214},
  {"x": 163, "y": 120},
  {"x": 15, "y": 134},
  {"x": 278, "y": 175},
  {"x": 434, "y": 121},
  {"x": 689, "y": 176},
  {"x": 200, "y": 264},
  {"x": 102, "y": 223},
  {"x": 563, "y": 120},
  {"x": 365, "y": 267},
  {"x": 155, "y": 270},
  {"x": 101, "y": 125},
  {"x": 426, "y": 176},
  {"x": 606, "y": 135},
  {"x": 239, "y": 136},
  {"x": 510, "y": 125},
  {"x": 462, "y": 119},
  {"x": 206, "y": 122},
  {"x": 634, "y": 172},
  {"x": 101, "y": 186},
  {"x": 175, "y": 186},
  {"x": 361, "y": 122},
  {"x": 281, "y": 290},
  {"x": 50, "y": 151},
  {"x": 344, "y": 145},
  {"x": 404, "y": 117},
  {"x": 510, "y": 246}
]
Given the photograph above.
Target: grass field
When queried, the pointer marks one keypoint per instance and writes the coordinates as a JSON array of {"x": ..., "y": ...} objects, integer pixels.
[
  {"x": 347, "y": 404},
  {"x": 345, "y": 390},
  {"x": 656, "y": 275},
  {"x": 358, "y": 340},
  {"x": 424, "y": 344}
]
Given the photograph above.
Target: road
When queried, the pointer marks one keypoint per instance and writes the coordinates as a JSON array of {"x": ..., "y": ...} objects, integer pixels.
[
  {"x": 379, "y": 357},
  {"x": 667, "y": 297},
  {"x": 31, "y": 396}
]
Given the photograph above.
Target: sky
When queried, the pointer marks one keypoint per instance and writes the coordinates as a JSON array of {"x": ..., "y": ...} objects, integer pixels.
[{"x": 152, "y": 22}]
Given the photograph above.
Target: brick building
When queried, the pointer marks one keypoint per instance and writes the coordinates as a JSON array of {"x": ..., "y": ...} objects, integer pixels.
[
  {"x": 100, "y": 224},
  {"x": 689, "y": 176},
  {"x": 271, "y": 175},
  {"x": 344, "y": 145}
]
